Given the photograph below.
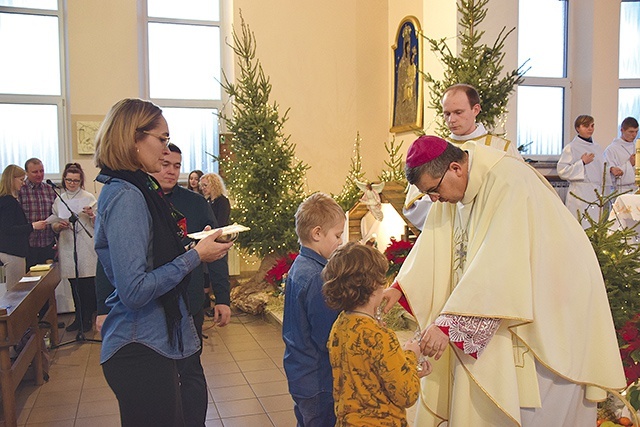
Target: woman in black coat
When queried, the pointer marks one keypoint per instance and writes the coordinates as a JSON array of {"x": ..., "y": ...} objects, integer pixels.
[{"x": 14, "y": 227}]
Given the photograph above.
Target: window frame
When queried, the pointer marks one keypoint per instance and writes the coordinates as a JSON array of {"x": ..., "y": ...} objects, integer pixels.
[
  {"x": 554, "y": 82},
  {"x": 218, "y": 105},
  {"x": 60, "y": 101}
]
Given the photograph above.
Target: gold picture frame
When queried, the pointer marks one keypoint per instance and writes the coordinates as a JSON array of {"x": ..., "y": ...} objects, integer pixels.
[{"x": 408, "y": 93}]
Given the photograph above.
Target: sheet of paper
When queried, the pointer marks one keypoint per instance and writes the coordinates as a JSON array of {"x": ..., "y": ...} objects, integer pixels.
[
  {"x": 30, "y": 279},
  {"x": 229, "y": 229}
]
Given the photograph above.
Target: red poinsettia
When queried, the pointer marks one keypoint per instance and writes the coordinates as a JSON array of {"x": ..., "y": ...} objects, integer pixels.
[
  {"x": 396, "y": 253},
  {"x": 629, "y": 338},
  {"x": 275, "y": 275}
]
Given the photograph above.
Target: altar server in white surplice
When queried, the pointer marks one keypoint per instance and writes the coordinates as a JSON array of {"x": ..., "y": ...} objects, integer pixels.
[
  {"x": 621, "y": 156},
  {"x": 519, "y": 336},
  {"x": 460, "y": 107},
  {"x": 582, "y": 163}
]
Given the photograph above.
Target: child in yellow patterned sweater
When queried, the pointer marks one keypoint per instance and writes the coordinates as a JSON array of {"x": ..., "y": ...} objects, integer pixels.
[{"x": 374, "y": 380}]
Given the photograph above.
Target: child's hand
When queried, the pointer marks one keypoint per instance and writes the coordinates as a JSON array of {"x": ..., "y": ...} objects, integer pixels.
[
  {"x": 414, "y": 346},
  {"x": 426, "y": 368}
]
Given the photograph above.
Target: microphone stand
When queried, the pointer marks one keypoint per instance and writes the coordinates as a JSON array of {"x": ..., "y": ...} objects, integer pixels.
[{"x": 74, "y": 219}]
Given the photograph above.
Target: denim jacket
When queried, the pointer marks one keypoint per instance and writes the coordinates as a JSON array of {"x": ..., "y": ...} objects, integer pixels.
[
  {"x": 123, "y": 242},
  {"x": 306, "y": 326}
]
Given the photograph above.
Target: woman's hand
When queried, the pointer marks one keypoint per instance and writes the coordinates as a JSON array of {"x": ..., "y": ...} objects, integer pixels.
[
  {"x": 209, "y": 250},
  {"x": 60, "y": 225},
  {"x": 89, "y": 211}
]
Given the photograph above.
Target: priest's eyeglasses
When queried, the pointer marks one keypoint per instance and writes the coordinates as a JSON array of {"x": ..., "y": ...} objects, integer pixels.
[{"x": 434, "y": 190}]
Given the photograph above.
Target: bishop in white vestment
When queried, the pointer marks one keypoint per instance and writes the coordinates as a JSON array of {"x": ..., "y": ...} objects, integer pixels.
[{"x": 508, "y": 293}]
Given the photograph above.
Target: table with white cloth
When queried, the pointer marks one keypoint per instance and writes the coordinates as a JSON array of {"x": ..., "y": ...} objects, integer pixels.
[{"x": 626, "y": 212}]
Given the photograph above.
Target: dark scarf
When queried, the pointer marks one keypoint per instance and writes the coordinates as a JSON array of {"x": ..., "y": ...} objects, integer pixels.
[{"x": 166, "y": 246}]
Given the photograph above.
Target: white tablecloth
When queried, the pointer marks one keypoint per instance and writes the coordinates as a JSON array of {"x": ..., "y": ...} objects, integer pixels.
[{"x": 626, "y": 211}]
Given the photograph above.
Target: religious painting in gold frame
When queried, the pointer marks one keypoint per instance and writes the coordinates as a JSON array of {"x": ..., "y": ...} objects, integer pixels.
[{"x": 408, "y": 106}]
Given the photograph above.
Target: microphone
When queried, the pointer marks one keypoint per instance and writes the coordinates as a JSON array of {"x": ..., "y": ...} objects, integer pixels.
[{"x": 51, "y": 183}]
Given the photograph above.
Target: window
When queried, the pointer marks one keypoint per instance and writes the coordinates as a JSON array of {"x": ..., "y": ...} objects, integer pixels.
[
  {"x": 184, "y": 73},
  {"x": 542, "y": 98},
  {"x": 32, "y": 112},
  {"x": 629, "y": 69}
]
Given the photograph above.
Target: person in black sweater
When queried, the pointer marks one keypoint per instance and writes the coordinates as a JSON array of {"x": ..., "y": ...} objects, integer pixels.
[
  {"x": 215, "y": 192},
  {"x": 14, "y": 227}
]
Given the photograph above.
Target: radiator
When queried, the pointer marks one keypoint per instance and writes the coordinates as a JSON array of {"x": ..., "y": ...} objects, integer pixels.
[{"x": 562, "y": 188}]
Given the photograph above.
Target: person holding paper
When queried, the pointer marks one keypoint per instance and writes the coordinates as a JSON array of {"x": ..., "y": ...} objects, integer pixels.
[
  {"x": 36, "y": 199},
  {"x": 138, "y": 239},
  {"x": 14, "y": 227},
  {"x": 81, "y": 203}
]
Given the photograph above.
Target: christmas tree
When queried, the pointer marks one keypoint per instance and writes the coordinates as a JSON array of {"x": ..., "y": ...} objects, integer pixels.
[
  {"x": 478, "y": 64},
  {"x": 264, "y": 177},
  {"x": 350, "y": 193},
  {"x": 619, "y": 258},
  {"x": 395, "y": 165}
]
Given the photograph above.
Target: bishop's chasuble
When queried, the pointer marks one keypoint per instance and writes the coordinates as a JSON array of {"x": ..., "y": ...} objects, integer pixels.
[{"x": 511, "y": 251}]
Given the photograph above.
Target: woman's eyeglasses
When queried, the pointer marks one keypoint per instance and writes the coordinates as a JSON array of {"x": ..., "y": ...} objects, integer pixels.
[
  {"x": 163, "y": 139},
  {"x": 72, "y": 181}
]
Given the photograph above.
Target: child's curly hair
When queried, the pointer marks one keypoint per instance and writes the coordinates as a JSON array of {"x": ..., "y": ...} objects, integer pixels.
[{"x": 352, "y": 274}]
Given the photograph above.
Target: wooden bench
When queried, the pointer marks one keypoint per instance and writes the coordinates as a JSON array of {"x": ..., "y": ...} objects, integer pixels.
[{"x": 19, "y": 310}]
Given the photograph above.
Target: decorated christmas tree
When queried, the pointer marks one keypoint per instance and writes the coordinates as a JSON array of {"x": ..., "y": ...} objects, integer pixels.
[
  {"x": 478, "y": 64},
  {"x": 264, "y": 177},
  {"x": 619, "y": 258}
]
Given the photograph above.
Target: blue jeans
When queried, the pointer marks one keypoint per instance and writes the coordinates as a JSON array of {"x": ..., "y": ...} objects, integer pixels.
[{"x": 315, "y": 411}]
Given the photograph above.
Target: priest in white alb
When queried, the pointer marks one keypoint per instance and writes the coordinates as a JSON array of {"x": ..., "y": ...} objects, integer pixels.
[{"x": 508, "y": 294}]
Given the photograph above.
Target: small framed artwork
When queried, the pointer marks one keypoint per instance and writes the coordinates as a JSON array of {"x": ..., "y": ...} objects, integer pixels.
[
  {"x": 84, "y": 132},
  {"x": 408, "y": 106}
]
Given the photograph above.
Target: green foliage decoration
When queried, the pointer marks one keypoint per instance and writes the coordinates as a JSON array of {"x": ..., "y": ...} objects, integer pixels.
[
  {"x": 350, "y": 193},
  {"x": 394, "y": 170},
  {"x": 619, "y": 257},
  {"x": 478, "y": 64},
  {"x": 264, "y": 178}
]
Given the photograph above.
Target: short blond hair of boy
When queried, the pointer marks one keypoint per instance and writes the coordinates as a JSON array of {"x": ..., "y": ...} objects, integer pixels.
[
  {"x": 352, "y": 275},
  {"x": 319, "y": 209}
]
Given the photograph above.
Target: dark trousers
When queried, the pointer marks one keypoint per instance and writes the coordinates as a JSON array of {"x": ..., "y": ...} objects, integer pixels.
[
  {"x": 146, "y": 386},
  {"x": 40, "y": 255},
  {"x": 315, "y": 411},
  {"x": 193, "y": 385},
  {"x": 84, "y": 299}
]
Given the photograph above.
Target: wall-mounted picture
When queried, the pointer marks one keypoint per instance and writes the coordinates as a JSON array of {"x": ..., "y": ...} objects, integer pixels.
[
  {"x": 85, "y": 128},
  {"x": 86, "y": 136},
  {"x": 408, "y": 110}
]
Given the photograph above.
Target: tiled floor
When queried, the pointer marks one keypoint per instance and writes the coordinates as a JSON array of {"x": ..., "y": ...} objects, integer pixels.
[{"x": 242, "y": 362}]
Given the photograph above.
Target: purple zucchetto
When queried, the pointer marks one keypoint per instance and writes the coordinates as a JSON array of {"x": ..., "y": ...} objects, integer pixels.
[{"x": 425, "y": 149}]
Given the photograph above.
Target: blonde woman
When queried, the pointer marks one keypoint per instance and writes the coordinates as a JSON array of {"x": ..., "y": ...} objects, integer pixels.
[
  {"x": 138, "y": 241},
  {"x": 215, "y": 192},
  {"x": 14, "y": 227}
]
